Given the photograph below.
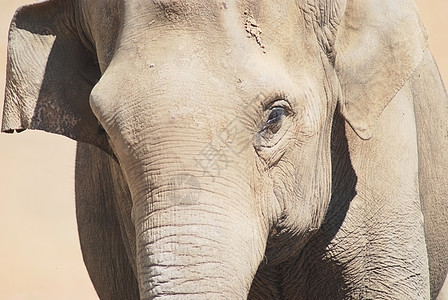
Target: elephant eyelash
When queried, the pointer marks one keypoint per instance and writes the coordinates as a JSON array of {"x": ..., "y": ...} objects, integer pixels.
[{"x": 270, "y": 100}]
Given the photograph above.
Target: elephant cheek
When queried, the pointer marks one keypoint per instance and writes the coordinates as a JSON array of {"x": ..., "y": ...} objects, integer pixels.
[{"x": 303, "y": 186}]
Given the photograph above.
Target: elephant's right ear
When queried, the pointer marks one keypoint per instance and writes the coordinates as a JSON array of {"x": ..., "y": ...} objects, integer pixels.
[
  {"x": 50, "y": 72},
  {"x": 375, "y": 46}
]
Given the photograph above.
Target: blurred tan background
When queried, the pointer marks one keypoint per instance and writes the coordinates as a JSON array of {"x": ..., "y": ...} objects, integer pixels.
[{"x": 40, "y": 257}]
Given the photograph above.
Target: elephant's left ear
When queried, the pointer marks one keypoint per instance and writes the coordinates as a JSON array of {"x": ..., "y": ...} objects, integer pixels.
[
  {"x": 377, "y": 46},
  {"x": 50, "y": 73}
]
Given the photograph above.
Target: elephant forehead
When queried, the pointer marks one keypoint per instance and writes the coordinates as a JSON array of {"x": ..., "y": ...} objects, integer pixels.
[
  {"x": 193, "y": 13},
  {"x": 178, "y": 9}
]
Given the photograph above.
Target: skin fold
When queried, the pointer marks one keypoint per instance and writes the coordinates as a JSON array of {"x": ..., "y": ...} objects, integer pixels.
[{"x": 243, "y": 149}]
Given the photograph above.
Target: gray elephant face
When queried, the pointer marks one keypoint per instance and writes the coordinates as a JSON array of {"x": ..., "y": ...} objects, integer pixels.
[
  {"x": 217, "y": 92},
  {"x": 219, "y": 113}
]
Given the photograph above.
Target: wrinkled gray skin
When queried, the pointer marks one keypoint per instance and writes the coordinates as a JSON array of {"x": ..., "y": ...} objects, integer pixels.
[{"x": 260, "y": 149}]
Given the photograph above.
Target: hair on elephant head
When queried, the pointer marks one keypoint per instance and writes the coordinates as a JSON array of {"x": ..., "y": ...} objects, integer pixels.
[{"x": 226, "y": 120}]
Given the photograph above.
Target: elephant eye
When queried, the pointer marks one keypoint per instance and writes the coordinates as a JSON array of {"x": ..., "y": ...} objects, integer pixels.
[
  {"x": 278, "y": 118},
  {"x": 274, "y": 120},
  {"x": 276, "y": 115}
]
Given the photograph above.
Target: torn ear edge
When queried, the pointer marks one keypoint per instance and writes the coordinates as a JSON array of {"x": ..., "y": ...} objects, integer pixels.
[{"x": 49, "y": 75}]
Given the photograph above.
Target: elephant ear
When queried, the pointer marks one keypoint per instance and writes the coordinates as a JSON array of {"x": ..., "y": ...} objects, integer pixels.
[
  {"x": 375, "y": 46},
  {"x": 50, "y": 73}
]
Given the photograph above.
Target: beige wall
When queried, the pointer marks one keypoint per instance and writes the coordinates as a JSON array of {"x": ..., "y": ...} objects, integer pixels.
[{"x": 39, "y": 250}]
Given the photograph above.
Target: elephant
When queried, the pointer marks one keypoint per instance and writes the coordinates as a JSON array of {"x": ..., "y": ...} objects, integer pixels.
[{"x": 243, "y": 149}]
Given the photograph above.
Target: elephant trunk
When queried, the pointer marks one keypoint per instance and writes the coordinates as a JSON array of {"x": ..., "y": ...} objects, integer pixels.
[
  {"x": 200, "y": 230},
  {"x": 195, "y": 242}
]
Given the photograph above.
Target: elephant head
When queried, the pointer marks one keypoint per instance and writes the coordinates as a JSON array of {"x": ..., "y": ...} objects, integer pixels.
[{"x": 219, "y": 114}]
